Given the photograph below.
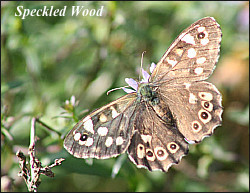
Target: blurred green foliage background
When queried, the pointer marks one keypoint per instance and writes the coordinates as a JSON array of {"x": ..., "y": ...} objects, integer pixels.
[{"x": 46, "y": 60}]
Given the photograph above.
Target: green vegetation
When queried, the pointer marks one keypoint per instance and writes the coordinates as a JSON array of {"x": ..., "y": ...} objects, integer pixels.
[{"x": 46, "y": 60}]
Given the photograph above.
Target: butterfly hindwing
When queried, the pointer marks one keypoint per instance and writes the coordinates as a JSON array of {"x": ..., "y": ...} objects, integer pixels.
[
  {"x": 196, "y": 106},
  {"x": 156, "y": 143}
]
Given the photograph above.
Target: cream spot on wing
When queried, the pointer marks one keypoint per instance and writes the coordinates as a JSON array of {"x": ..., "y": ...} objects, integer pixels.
[
  {"x": 192, "y": 98},
  {"x": 119, "y": 140},
  {"x": 109, "y": 141},
  {"x": 114, "y": 112},
  {"x": 191, "y": 53},
  {"x": 188, "y": 39},
  {"x": 146, "y": 138},
  {"x": 204, "y": 116},
  {"x": 204, "y": 41},
  {"x": 198, "y": 70},
  {"x": 205, "y": 96},
  {"x": 81, "y": 142},
  {"x": 171, "y": 62},
  {"x": 103, "y": 118},
  {"x": 173, "y": 147},
  {"x": 77, "y": 136},
  {"x": 200, "y": 60},
  {"x": 102, "y": 131},
  {"x": 89, "y": 141},
  {"x": 207, "y": 105},
  {"x": 196, "y": 126},
  {"x": 179, "y": 52},
  {"x": 88, "y": 124},
  {"x": 86, "y": 118},
  {"x": 161, "y": 153},
  {"x": 140, "y": 151},
  {"x": 201, "y": 29}
]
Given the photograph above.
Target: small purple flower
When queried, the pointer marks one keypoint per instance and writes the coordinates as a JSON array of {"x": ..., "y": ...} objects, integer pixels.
[
  {"x": 133, "y": 84},
  {"x": 152, "y": 67},
  {"x": 127, "y": 90},
  {"x": 145, "y": 76}
]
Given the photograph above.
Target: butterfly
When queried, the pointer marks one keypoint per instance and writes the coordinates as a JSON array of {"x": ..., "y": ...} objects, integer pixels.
[{"x": 162, "y": 114}]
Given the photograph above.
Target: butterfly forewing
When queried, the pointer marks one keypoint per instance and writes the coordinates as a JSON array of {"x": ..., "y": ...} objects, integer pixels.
[
  {"x": 104, "y": 133},
  {"x": 192, "y": 56}
]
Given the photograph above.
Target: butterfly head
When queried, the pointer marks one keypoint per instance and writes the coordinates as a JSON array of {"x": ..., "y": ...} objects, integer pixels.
[{"x": 143, "y": 89}]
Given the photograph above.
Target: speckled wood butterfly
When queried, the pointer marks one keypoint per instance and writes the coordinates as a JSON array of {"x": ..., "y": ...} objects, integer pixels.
[{"x": 165, "y": 112}]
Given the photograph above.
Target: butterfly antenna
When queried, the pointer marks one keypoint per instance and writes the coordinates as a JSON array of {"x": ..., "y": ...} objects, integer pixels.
[
  {"x": 116, "y": 89},
  {"x": 141, "y": 64}
]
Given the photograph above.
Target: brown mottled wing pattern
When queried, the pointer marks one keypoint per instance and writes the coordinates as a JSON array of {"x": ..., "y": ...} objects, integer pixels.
[
  {"x": 156, "y": 143},
  {"x": 104, "y": 133},
  {"x": 192, "y": 56},
  {"x": 196, "y": 107}
]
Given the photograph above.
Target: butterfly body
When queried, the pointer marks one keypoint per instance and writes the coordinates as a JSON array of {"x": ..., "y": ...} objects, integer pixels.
[
  {"x": 147, "y": 93},
  {"x": 156, "y": 121}
]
